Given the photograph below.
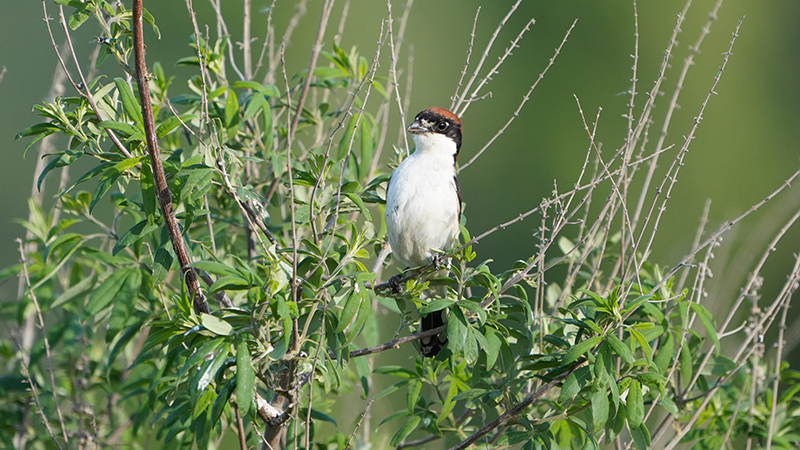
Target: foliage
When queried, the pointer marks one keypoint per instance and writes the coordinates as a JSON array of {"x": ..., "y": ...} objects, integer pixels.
[{"x": 277, "y": 186}]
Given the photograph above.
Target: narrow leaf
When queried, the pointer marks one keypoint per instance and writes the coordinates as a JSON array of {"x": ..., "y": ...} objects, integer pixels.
[
  {"x": 581, "y": 348},
  {"x": 245, "y": 377}
]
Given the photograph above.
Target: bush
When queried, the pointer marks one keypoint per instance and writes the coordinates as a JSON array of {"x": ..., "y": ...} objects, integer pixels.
[{"x": 223, "y": 275}]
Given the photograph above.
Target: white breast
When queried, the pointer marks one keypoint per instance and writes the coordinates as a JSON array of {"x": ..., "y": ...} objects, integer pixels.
[{"x": 422, "y": 204}]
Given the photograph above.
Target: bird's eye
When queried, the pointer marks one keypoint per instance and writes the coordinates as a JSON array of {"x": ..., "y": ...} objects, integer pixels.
[{"x": 442, "y": 126}]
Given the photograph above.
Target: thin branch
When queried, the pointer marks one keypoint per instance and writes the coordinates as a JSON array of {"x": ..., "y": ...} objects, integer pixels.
[
  {"x": 494, "y": 70},
  {"x": 484, "y": 55},
  {"x": 82, "y": 87},
  {"x": 520, "y": 407},
  {"x": 454, "y": 98},
  {"x": 778, "y": 360},
  {"x": 159, "y": 177},
  {"x": 396, "y": 343},
  {"x": 393, "y": 52},
  {"x": 48, "y": 357},
  {"x": 312, "y": 63},
  {"x": 525, "y": 98}
]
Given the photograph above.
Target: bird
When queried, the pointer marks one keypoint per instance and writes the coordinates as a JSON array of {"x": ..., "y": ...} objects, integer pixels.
[{"x": 423, "y": 205}]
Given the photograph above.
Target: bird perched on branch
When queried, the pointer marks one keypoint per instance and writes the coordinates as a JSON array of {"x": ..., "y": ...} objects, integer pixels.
[{"x": 423, "y": 204}]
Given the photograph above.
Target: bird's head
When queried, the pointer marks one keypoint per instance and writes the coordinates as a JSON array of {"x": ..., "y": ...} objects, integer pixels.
[{"x": 436, "y": 125}]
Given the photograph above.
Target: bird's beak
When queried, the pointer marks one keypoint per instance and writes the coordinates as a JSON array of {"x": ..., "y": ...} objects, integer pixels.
[{"x": 416, "y": 128}]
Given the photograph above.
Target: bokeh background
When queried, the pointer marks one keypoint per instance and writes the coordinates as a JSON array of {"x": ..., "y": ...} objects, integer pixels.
[{"x": 746, "y": 146}]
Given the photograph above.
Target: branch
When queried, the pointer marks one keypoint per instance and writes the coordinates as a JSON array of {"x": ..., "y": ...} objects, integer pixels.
[
  {"x": 525, "y": 98},
  {"x": 163, "y": 193},
  {"x": 312, "y": 62},
  {"x": 508, "y": 415},
  {"x": 396, "y": 343}
]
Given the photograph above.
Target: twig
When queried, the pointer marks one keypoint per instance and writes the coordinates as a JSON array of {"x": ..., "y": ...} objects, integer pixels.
[
  {"x": 246, "y": 47},
  {"x": 454, "y": 98},
  {"x": 393, "y": 52},
  {"x": 312, "y": 63},
  {"x": 525, "y": 98},
  {"x": 50, "y": 370},
  {"x": 358, "y": 424},
  {"x": 82, "y": 88},
  {"x": 778, "y": 359},
  {"x": 514, "y": 44},
  {"x": 517, "y": 409},
  {"x": 159, "y": 177},
  {"x": 396, "y": 343},
  {"x": 484, "y": 55}
]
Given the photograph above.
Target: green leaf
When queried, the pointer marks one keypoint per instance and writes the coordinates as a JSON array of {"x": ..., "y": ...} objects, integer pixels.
[
  {"x": 108, "y": 290},
  {"x": 62, "y": 160},
  {"x": 230, "y": 282},
  {"x": 579, "y": 349},
  {"x": 76, "y": 290},
  {"x": 110, "y": 177},
  {"x": 231, "y": 109},
  {"x": 173, "y": 122},
  {"x": 268, "y": 90},
  {"x": 134, "y": 234},
  {"x": 648, "y": 351},
  {"x": 148, "y": 191},
  {"x": 599, "y": 403},
  {"x": 355, "y": 198},
  {"x": 129, "y": 102},
  {"x": 457, "y": 331},
  {"x": 664, "y": 356},
  {"x": 216, "y": 268},
  {"x": 351, "y": 307},
  {"x": 493, "y": 343},
  {"x": 636, "y": 303},
  {"x": 245, "y": 377},
  {"x": 124, "y": 303},
  {"x": 120, "y": 127},
  {"x": 634, "y": 405},
  {"x": 574, "y": 383},
  {"x": 641, "y": 437},
  {"x": 620, "y": 348},
  {"x": 216, "y": 325},
  {"x": 603, "y": 366},
  {"x": 685, "y": 359},
  {"x": 412, "y": 395},
  {"x": 43, "y": 128},
  {"x": 222, "y": 400},
  {"x": 405, "y": 430},
  {"x": 708, "y": 323},
  {"x": 436, "y": 305},
  {"x": 395, "y": 371},
  {"x": 79, "y": 16}
]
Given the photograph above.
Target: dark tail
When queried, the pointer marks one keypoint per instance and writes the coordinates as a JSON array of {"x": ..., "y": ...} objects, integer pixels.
[{"x": 431, "y": 345}]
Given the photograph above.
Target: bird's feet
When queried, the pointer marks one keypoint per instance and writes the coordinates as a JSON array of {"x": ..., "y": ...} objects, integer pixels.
[
  {"x": 394, "y": 283},
  {"x": 439, "y": 260}
]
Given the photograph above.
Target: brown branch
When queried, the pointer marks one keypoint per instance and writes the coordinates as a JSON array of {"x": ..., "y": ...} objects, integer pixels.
[
  {"x": 511, "y": 413},
  {"x": 312, "y": 62},
  {"x": 525, "y": 98},
  {"x": 163, "y": 193},
  {"x": 82, "y": 87},
  {"x": 396, "y": 343}
]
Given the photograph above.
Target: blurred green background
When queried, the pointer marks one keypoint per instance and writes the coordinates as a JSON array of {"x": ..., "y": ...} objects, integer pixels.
[{"x": 744, "y": 149}]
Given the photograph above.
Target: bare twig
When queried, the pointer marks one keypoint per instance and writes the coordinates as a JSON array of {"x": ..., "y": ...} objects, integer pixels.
[
  {"x": 159, "y": 177},
  {"x": 463, "y": 95},
  {"x": 518, "y": 408},
  {"x": 393, "y": 53},
  {"x": 81, "y": 87},
  {"x": 49, "y": 358},
  {"x": 312, "y": 63},
  {"x": 525, "y": 98},
  {"x": 454, "y": 98}
]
